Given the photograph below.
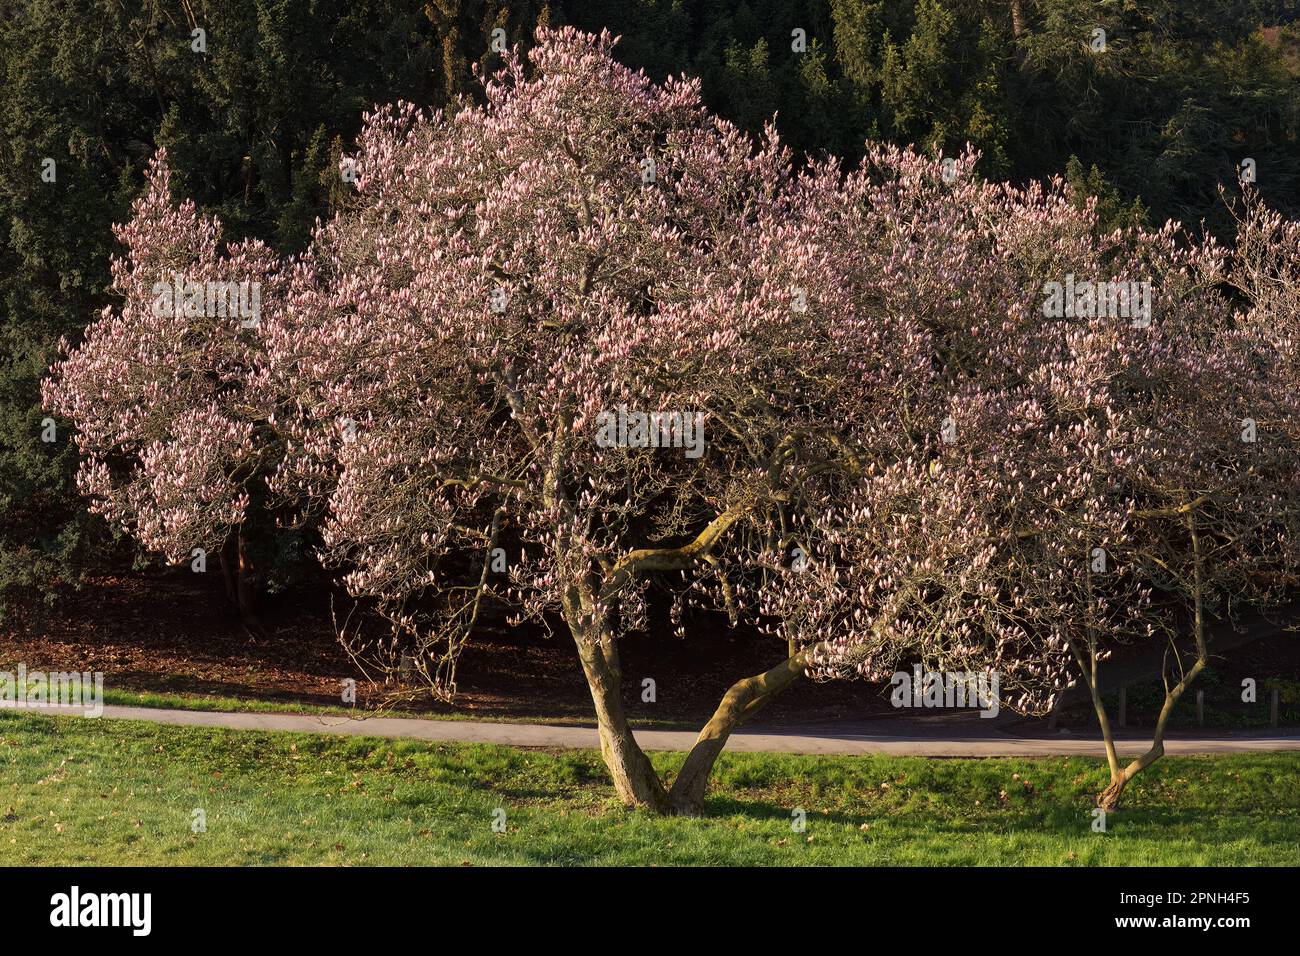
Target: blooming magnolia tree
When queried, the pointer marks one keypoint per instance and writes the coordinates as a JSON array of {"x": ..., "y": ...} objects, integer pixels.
[
  {"x": 585, "y": 341},
  {"x": 163, "y": 389},
  {"x": 914, "y": 449},
  {"x": 509, "y": 275}
]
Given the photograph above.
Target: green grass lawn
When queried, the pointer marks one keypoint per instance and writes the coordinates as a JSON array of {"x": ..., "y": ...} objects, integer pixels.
[{"x": 78, "y": 791}]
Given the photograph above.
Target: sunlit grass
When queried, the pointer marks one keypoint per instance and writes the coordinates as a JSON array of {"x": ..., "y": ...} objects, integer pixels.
[{"x": 79, "y": 791}]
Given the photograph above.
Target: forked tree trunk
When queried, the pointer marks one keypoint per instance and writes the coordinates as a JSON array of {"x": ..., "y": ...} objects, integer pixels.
[
  {"x": 635, "y": 779},
  {"x": 742, "y": 701},
  {"x": 1109, "y": 798}
]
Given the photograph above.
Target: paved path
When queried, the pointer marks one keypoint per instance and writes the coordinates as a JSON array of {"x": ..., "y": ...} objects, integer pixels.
[{"x": 967, "y": 739}]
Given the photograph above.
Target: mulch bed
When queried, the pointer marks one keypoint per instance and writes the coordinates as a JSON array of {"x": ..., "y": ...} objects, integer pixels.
[{"x": 171, "y": 631}]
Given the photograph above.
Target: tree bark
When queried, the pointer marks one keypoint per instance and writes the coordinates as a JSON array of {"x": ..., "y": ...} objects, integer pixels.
[
  {"x": 246, "y": 593},
  {"x": 229, "y": 557},
  {"x": 634, "y": 776},
  {"x": 742, "y": 701},
  {"x": 1017, "y": 19}
]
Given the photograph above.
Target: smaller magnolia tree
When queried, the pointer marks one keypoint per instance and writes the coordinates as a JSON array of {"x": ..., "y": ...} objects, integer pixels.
[
  {"x": 163, "y": 388},
  {"x": 1117, "y": 461},
  {"x": 1117, "y": 466}
]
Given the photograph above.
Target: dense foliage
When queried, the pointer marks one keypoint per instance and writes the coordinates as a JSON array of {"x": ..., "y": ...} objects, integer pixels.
[{"x": 255, "y": 125}]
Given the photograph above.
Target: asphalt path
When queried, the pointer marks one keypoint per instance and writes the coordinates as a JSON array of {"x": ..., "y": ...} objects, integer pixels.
[{"x": 900, "y": 736}]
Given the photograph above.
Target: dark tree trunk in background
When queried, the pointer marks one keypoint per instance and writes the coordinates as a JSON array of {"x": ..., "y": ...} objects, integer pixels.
[{"x": 241, "y": 590}]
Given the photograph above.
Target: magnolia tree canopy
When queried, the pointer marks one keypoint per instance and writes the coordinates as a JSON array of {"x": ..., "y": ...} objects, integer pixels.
[
  {"x": 160, "y": 387},
  {"x": 586, "y": 340},
  {"x": 167, "y": 389}
]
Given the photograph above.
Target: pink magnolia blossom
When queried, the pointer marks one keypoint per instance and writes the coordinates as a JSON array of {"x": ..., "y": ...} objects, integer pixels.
[{"x": 162, "y": 395}]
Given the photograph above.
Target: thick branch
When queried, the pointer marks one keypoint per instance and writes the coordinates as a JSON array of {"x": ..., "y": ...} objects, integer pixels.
[
  {"x": 742, "y": 701},
  {"x": 644, "y": 560}
]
